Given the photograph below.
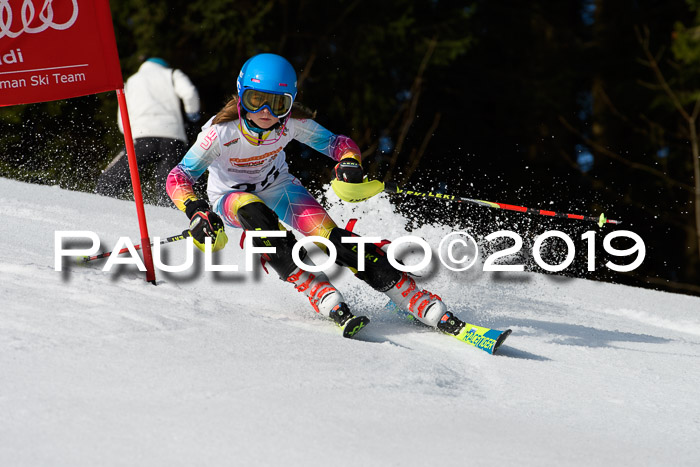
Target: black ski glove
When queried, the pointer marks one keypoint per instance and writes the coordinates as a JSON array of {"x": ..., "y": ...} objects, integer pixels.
[
  {"x": 349, "y": 170},
  {"x": 205, "y": 223}
]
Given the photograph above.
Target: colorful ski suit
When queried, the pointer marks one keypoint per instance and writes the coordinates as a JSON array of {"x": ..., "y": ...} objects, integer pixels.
[{"x": 239, "y": 166}]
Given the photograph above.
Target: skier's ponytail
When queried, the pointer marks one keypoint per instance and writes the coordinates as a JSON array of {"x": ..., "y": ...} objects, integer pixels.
[{"x": 228, "y": 113}]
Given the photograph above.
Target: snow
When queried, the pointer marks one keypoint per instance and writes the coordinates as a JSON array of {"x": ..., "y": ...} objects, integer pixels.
[{"x": 222, "y": 368}]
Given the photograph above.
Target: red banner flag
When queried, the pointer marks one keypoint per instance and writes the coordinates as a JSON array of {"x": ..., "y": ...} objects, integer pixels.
[{"x": 56, "y": 49}]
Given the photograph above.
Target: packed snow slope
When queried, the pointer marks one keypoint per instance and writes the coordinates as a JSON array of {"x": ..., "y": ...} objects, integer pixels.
[{"x": 220, "y": 369}]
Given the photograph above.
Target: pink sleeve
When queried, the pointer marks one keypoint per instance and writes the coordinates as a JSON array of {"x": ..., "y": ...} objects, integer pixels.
[
  {"x": 343, "y": 147},
  {"x": 179, "y": 186}
]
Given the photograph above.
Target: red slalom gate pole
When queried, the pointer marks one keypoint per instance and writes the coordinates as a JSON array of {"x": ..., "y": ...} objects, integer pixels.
[{"x": 136, "y": 185}]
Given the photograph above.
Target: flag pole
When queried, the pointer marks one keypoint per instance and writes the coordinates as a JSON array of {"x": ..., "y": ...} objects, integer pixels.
[{"x": 136, "y": 184}]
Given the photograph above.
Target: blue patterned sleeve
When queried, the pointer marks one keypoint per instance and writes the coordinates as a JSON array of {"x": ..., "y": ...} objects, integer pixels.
[{"x": 315, "y": 136}]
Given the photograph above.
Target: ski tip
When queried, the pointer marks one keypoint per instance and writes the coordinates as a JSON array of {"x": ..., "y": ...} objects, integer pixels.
[
  {"x": 501, "y": 339},
  {"x": 355, "y": 325}
]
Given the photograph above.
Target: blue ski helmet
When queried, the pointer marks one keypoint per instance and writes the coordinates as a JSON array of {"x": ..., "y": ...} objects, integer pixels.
[{"x": 268, "y": 73}]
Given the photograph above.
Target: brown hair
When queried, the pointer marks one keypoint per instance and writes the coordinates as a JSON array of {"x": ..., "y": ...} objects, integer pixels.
[{"x": 229, "y": 112}]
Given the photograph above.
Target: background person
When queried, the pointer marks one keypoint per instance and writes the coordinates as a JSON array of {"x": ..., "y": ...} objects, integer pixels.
[{"x": 154, "y": 95}]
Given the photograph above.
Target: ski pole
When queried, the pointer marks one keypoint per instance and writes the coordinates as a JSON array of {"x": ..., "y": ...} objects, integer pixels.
[
  {"x": 391, "y": 187},
  {"x": 174, "y": 238}
]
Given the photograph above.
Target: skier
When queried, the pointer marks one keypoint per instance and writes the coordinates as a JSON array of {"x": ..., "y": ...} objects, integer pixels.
[{"x": 251, "y": 188}]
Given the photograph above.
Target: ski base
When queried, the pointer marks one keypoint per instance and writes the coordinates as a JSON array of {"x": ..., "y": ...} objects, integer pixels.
[{"x": 354, "y": 325}]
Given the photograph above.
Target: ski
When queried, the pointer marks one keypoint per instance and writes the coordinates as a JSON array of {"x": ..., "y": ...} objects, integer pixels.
[
  {"x": 354, "y": 325},
  {"x": 482, "y": 338},
  {"x": 486, "y": 339},
  {"x": 348, "y": 323}
]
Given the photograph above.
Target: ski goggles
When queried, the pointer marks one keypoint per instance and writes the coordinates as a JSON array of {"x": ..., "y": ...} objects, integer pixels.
[{"x": 279, "y": 105}]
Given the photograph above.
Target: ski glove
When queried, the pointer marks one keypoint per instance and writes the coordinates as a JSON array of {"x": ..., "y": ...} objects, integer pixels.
[
  {"x": 205, "y": 223},
  {"x": 349, "y": 170}
]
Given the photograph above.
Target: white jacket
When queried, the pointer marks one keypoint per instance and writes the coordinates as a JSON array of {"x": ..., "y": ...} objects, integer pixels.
[{"x": 153, "y": 99}]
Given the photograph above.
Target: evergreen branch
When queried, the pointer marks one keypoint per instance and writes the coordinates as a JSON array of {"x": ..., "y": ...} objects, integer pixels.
[{"x": 654, "y": 65}]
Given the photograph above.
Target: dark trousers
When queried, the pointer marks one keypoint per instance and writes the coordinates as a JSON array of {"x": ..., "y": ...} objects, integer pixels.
[{"x": 153, "y": 155}]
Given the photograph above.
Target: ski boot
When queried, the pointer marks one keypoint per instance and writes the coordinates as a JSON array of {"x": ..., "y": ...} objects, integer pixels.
[
  {"x": 327, "y": 300},
  {"x": 423, "y": 305},
  {"x": 450, "y": 324}
]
